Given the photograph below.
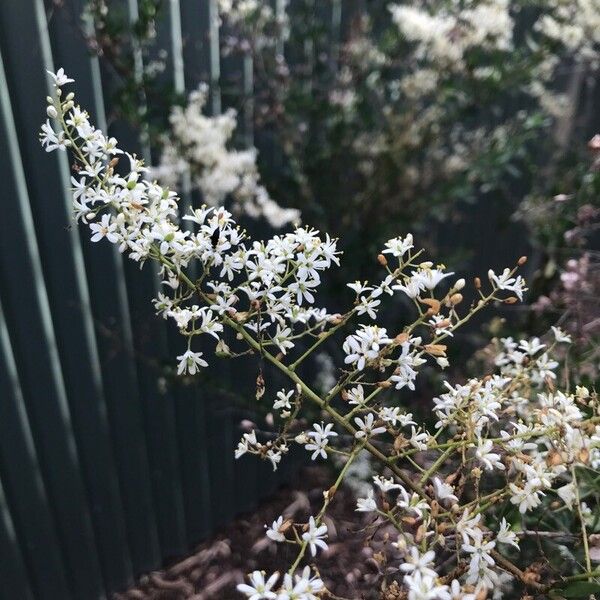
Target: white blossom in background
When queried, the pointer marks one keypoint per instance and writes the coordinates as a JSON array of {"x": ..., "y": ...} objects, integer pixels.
[
  {"x": 445, "y": 36},
  {"x": 199, "y": 145}
]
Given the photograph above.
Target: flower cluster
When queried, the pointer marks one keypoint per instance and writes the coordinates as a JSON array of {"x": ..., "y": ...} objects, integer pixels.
[
  {"x": 198, "y": 145},
  {"x": 444, "y": 37},
  {"x": 446, "y": 486}
]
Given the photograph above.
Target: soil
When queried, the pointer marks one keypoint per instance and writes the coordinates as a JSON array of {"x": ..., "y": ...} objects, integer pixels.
[{"x": 349, "y": 568}]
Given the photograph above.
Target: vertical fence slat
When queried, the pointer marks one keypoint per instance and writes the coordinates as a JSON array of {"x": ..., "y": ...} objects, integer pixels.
[
  {"x": 13, "y": 575},
  {"x": 164, "y": 536},
  {"x": 26, "y": 301},
  {"x": 109, "y": 303},
  {"x": 189, "y": 412},
  {"x": 65, "y": 275},
  {"x": 30, "y": 518},
  {"x": 196, "y": 42},
  {"x": 167, "y": 478}
]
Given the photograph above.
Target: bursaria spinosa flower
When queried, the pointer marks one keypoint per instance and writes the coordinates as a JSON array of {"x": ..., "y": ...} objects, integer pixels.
[
  {"x": 274, "y": 532},
  {"x": 259, "y": 588},
  {"x": 189, "y": 362},
  {"x": 315, "y": 536}
]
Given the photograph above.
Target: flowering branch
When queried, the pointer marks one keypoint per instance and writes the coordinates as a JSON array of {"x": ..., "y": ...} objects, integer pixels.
[{"x": 507, "y": 440}]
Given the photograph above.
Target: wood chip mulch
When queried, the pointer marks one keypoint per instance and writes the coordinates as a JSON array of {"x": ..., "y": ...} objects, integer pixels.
[{"x": 351, "y": 568}]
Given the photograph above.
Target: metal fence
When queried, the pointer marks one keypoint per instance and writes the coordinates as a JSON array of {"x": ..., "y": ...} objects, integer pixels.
[{"x": 104, "y": 471}]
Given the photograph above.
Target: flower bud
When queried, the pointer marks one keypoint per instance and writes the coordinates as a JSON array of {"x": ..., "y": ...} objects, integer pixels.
[
  {"x": 522, "y": 261},
  {"x": 582, "y": 393},
  {"x": 434, "y": 305},
  {"x": 477, "y": 283},
  {"x": 459, "y": 285},
  {"x": 222, "y": 349},
  {"x": 511, "y": 300},
  {"x": 401, "y": 338},
  {"x": 584, "y": 455},
  {"x": 594, "y": 143},
  {"x": 51, "y": 112},
  {"x": 382, "y": 260},
  {"x": 456, "y": 299},
  {"x": 435, "y": 349},
  {"x": 247, "y": 425}
]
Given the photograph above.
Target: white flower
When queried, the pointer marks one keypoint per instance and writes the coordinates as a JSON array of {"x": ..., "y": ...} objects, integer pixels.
[
  {"x": 385, "y": 485},
  {"x": 314, "y": 536},
  {"x": 319, "y": 439},
  {"x": 368, "y": 306},
  {"x": 189, "y": 362},
  {"x": 246, "y": 444},
  {"x": 59, "y": 77},
  {"x": 359, "y": 287},
  {"x": 365, "y": 427},
  {"x": 274, "y": 456},
  {"x": 526, "y": 498},
  {"x": 259, "y": 589},
  {"x": 274, "y": 532},
  {"x": 411, "y": 287},
  {"x": 50, "y": 140},
  {"x": 484, "y": 453},
  {"x": 567, "y": 494},
  {"x": 456, "y": 592},
  {"x": 425, "y": 587},
  {"x": 430, "y": 278},
  {"x": 480, "y": 553},
  {"x": 106, "y": 229},
  {"x": 300, "y": 587},
  {"x": 532, "y": 346},
  {"x": 560, "y": 336},
  {"x": 283, "y": 400},
  {"x": 282, "y": 339},
  {"x": 365, "y": 345},
  {"x": 412, "y": 504},
  {"x": 417, "y": 562},
  {"x": 443, "y": 491},
  {"x": 356, "y": 395},
  {"x": 392, "y": 415},
  {"x": 367, "y": 504},
  {"x": 407, "y": 364},
  {"x": 508, "y": 283},
  {"x": 398, "y": 247},
  {"x": 418, "y": 439},
  {"x": 505, "y": 535}
]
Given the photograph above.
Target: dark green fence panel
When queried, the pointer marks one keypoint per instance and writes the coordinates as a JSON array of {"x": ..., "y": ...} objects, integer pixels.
[
  {"x": 13, "y": 576},
  {"x": 109, "y": 463},
  {"x": 27, "y": 524}
]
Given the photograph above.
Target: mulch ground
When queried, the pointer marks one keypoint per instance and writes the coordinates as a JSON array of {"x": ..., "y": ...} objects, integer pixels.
[{"x": 349, "y": 568}]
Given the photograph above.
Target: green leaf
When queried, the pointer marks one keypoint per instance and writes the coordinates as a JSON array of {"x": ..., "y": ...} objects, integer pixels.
[{"x": 580, "y": 589}]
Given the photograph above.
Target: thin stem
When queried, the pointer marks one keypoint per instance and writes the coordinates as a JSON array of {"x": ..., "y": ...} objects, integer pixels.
[{"x": 586, "y": 547}]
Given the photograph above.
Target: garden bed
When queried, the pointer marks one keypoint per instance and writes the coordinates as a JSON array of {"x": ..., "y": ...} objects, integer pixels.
[{"x": 215, "y": 567}]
